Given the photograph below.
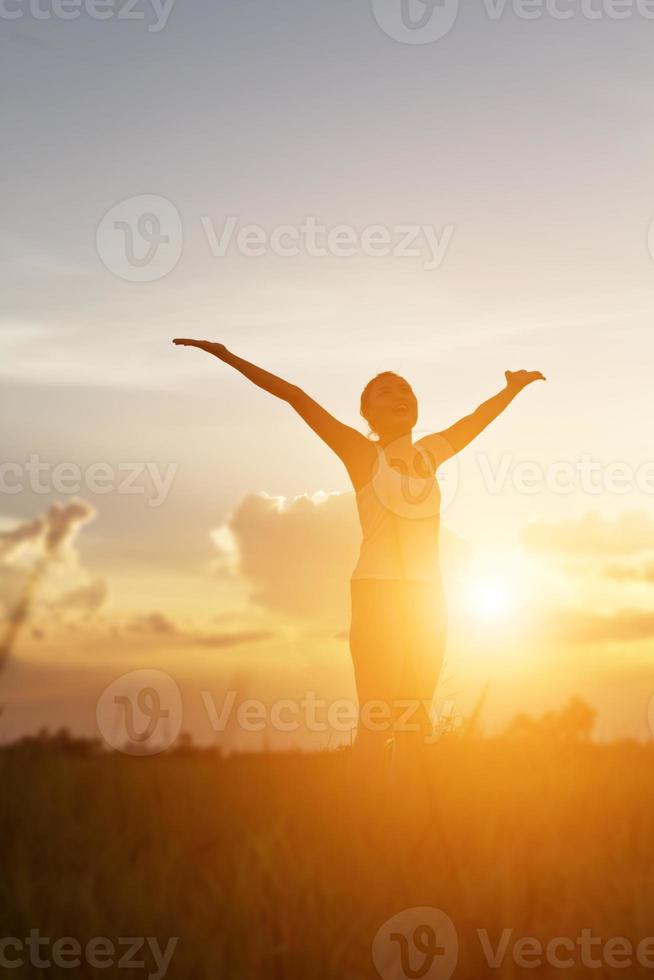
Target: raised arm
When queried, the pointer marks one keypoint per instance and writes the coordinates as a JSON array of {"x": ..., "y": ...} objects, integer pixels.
[
  {"x": 348, "y": 444},
  {"x": 450, "y": 441}
]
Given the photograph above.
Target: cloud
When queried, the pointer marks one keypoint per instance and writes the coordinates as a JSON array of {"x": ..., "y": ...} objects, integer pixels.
[
  {"x": 86, "y": 599},
  {"x": 223, "y": 640},
  {"x": 62, "y": 522},
  {"x": 631, "y": 533},
  {"x": 629, "y": 573},
  {"x": 13, "y": 579},
  {"x": 579, "y": 627},
  {"x": 12, "y": 540},
  {"x": 158, "y": 624},
  {"x": 154, "y": 622},
  {"x": 297, "y": 555},
  {"x": 52, "y": 534}
]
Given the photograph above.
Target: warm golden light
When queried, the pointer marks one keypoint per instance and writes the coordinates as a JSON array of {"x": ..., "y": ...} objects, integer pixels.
[{"x": 490, "y": 597}]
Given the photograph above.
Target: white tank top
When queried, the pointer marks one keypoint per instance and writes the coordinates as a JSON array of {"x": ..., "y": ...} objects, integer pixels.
[{"x": 400, "y": 519}]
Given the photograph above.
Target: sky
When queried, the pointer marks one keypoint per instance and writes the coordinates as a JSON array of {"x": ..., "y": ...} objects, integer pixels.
[{"x": 483, "y": 185}]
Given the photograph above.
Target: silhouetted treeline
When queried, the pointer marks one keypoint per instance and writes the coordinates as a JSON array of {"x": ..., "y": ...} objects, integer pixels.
[{"x": 574, "y": 722}]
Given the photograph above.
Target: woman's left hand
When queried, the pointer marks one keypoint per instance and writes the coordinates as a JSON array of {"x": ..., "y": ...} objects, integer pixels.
[{"x": 517, "y": 380}]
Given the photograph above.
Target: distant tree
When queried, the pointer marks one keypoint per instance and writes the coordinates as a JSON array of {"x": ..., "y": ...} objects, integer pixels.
[
  {"x": 183, "y": 743},
  {"x": 61, "y": 741},
  {"x": 573, "y": 722}
]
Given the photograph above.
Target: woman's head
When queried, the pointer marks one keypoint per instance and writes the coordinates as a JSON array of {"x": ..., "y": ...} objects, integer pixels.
[{"x": 389, "y": 405}]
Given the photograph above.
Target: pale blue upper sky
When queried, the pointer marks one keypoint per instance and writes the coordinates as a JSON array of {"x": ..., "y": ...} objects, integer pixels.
[{"x": 533, "y": 139}]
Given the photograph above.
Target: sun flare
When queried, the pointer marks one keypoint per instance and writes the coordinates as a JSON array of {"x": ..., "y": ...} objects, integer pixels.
[{"x": 491, "y": 598}]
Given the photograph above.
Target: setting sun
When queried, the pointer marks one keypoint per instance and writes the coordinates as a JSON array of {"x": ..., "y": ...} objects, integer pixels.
[{"x": 490, "y": 598}]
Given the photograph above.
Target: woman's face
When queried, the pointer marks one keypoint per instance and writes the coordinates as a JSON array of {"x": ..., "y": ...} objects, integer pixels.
[{"x": 392, "y": 407}]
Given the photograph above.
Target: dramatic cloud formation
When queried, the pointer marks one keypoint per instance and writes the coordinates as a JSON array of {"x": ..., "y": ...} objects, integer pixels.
[
  {"x": 51, "y": 535},
  {"x": 298, "y": 556}
]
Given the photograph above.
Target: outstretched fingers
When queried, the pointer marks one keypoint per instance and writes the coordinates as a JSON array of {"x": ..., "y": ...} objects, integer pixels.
[{"x": 522, "y": 378}]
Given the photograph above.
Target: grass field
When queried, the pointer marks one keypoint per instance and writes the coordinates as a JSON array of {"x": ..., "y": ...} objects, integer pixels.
[{"x": 273, "y": 866}]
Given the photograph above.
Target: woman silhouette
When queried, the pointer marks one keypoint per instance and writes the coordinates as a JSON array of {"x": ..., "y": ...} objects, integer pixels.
[{"x": 398, "y": 613}]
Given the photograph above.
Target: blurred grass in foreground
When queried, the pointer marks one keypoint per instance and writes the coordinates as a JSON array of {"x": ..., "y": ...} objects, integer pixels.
[{"x": 273, "y": 866}]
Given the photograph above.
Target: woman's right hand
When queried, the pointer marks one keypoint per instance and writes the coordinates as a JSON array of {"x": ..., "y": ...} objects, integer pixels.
[{"x": 218, "y": 350}]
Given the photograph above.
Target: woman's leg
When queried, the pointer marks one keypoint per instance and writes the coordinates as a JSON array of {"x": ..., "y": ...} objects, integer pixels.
[
  {"x": 425, "y": 619},
  {"x": 376, "y": 644}
]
